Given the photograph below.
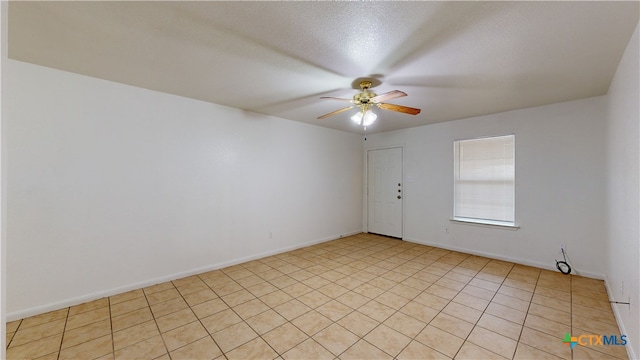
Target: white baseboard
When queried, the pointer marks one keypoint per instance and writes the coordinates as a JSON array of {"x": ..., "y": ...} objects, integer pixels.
[
  {"x": 616, "y": 312},
  {"x": 616, "y": 309},
  {"x": 21, "y": 314},
  {"x": 505, "y": 258}
]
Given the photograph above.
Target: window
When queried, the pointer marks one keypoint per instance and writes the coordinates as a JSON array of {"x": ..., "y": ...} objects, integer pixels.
[{"x": 484, "y": 180}]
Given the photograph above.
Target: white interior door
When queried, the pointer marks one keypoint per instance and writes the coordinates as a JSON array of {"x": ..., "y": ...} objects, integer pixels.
[{"x": 384, "y": 192}]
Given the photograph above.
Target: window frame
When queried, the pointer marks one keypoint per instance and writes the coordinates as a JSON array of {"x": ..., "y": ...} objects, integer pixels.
[{"x": 512, "y": 225}]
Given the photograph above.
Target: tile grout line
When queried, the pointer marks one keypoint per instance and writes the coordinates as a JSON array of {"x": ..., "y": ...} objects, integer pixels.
[
  {"x": 14, "y": 334},
  {"x": 527, "y": 314},
  {"x": 144, "y": 293},
  {"x": 64, "y": 328},
  {"x": 200, "y": 320},
  {"x": 352, "y": 311},
  {"x": 398, "y": 310},
  {"x": 196, "y": 316},
  {"x": 538, "y": 330},
  {"x": 270, "y": 308},
  {"x": 113, "y": 342},
  {"x": 338, "y": 257},
  {"x": 332, "y": 322},
  {"x": 571, "y": 311},
  {"x": 231, "y": 308},
  {"x": 426, "y": 324},
  {"x": 483, "y": 311},
  {"x": 381, "y": 322},
  {"x": 451, "y": 300},
  {"x": 314, "y": 309}
]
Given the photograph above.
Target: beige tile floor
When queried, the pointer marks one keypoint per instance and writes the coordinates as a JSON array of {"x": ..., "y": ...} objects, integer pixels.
[{"x": 360, "y": 297}]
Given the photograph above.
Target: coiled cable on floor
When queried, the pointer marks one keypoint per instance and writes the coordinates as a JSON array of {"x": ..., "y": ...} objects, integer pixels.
[{"x": 563, "y": 266}]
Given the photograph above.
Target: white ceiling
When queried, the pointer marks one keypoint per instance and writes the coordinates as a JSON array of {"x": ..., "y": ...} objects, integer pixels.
[{"x": 454, "y": 59}]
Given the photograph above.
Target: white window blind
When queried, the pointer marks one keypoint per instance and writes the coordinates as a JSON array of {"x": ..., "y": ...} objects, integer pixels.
[{"x": 484, "y": 179}]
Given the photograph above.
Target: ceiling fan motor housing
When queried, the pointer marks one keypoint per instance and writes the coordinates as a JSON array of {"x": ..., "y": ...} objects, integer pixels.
[
  {"x": 363, "y": 97},
  {"x": 366, "y": 99}
]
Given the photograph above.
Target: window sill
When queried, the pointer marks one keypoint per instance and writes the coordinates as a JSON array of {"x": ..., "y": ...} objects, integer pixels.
[{"x": 486, "y": 223}]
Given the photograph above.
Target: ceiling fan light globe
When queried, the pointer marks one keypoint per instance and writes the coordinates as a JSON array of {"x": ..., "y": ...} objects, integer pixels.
[
  {"x": 369, "y": 118},
  {"x": 364, "y": 118},
  {"x": 357, "y": 117}
]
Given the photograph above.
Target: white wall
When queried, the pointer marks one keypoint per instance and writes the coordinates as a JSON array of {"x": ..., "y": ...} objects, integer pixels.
[
  {"x": 112, "y": 187},
  {"x": 623, "y": 195},
  {"x": 4, "y": 5},
  {"x": 559, "y": 185}
]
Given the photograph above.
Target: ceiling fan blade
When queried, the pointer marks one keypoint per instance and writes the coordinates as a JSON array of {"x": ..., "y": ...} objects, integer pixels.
[
  {"x": 400, "y": 108},
  {"x": 335, "y": 112},
  {"x": 335, "y": 98},
  {"x": 388, "y": 96}
]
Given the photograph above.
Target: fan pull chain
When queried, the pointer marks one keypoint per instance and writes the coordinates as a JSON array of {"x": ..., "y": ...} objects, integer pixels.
[{"x": 365, "y": 133}]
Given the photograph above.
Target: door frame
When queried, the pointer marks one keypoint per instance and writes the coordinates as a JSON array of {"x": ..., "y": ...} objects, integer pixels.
[{"x": 365, "y": 190}]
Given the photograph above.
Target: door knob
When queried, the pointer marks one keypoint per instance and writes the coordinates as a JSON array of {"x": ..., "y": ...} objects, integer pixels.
[{"x": 399, "y": 197}]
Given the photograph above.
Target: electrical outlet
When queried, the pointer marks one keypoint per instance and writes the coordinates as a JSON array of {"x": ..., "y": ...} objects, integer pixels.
[
  {"x": 270, "y": 235},
  {"x": 446, "y": 229}
]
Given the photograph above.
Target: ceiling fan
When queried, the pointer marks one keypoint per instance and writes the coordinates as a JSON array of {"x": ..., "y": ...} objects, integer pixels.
[{"x": 367, "y": 99}]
